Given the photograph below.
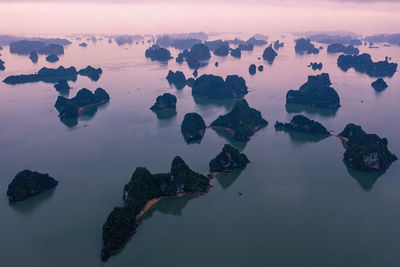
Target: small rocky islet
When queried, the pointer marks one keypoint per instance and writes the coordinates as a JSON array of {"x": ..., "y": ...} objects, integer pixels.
[
  {"x": 363, "y": 63},
  {"x": 269, "y": 54},
  {"x": 315, "y": 65},
  {"x": 242, "y": 122},
  {"x": 341, "y": 48},
  {"x": 365, "y": 152},
  {"x": 304, "y": 46},
  {"x": 379, "y": 85},
  {"x": 229, "y": 159},
  {"x": 193, "y": 127},
  {"x": 177, "y": 78},
  {"x": 166, "y": 101},
  {"x": 157, "y": 53},
  {"x": 301, "y": 123},
  {"x": 28, "y": 183},
  {"x": 214, "y": 87},
  {"x": 316, "y": 92}
]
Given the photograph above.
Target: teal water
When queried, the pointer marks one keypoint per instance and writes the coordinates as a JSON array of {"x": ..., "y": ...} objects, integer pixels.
[{"x": 300, "y": 206}]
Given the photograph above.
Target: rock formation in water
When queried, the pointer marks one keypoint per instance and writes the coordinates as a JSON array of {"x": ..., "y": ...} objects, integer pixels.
[
  {"x": 316, "y": 92},
  {"x": 237, "y": 53},
  {"x": 315, "y": 66},
  {"x": 51, "y": 49},
  {"x": 214, "y": 87},
  {"x": 269, "y": 54},
  {"x": 121, "y": 223},
  {"x": 165, "y": 102},
  {"x": 195, "y": 57},
  {"x": 301, "y": 123},
  {"x": 178, "y": 43},
  {"x": 304, "y": 46},
  {"x": 195, "y": 73},
  {"x": 252, "y": 69},
  {"x": 229, "y": 159},
  {"x": 261, "y": 68},
  {"x": 2, "y": 67},
  {"x": 176, "y": 78},
  {"x": 256, "y": 42},
  {"x": 62, "y": 85},
  {"x": 340, "y": 48},
  {"x": 216, "y": 44},
  {"x": 83, "y": 44},
  {"x": 366, "y": 152},
  {"x": 190, "y": 82},
  {"x": 25, "y": 47},
  {"x": 193, "y": 127},
  {"x": 364, "y": 64},
  {"x": 34, "y": 57},
  {"x": 70, "y": 108},
  {"x": 222, "y": 51},
  {"x": 28, "y": 183},
  {"x": 52, "y": 58},
  {"x": 379, "y": 85},
  {"x": 155, "y": 52},
  {"x": 278, "y": 44},
  {"x": 242, "y": 122},
  {"x": 44, "y": 75},
  {"x": 246, "y": 47},
  {"x": 200, "y": 52},
  {"x": 91, "y": 73}
]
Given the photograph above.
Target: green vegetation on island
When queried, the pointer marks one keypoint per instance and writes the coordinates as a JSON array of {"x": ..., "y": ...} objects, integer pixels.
[
  {"x": 302, "y": 124},
  {"x": 229, "y": 159},
  {"x": 243, "y": 121},
  {"x": 122, "y": 221},
  {"x": 364, "y": 151},
  {"x": 28, "y": 183},
  {"x": 166, "y": 101},
  {"x": 193, "y": 127},
  {"x": 214, "y": 87}
]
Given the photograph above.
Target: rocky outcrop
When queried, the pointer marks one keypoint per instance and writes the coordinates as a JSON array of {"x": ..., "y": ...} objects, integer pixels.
[
  {"x": 121, "y": 223},
  {"x": 379, "y": 85},
  {"x": 364, "y": 64},
  {"x": 165, "y": 102},
  {"x": 44, "y": 75},
  {"x": 252, "y": 69},
  {"x": 222, "y": 51},
  {"x": 25, "y": 47},
  {"x": 278, "y": 44},
  {"x": 340, "y": 48},
  {"x": 83, "y": 44},
  {"x": 216, "y": 44},
  {"x": 229, "y": 159},
  {"x": 246, "y": 47},
  {"x": 2, "y": 67},
  {"x": 256, "y": 42},
  {"x": 316, "y": 92},
  {"x": 155, "y": 52},
  {"x": 34, "y": 57},
  {"x": 91, "y": 73},
  {"x": 261, "y": 68},
  {"x": 301, "y": 123},
  {"x": 242, "y": 122},
  {"x": 236, "y": 53},
  {"x": 315, "y": 66},
  {"x": 366, "y": 152},
  {"x": 52, "y": 58},
  {"x": 176, "y": 78},
  {"x": 304, "y": 46},
  {"x": 193, "y": 127},
  {"x": 214, "y": 87},
  {"x": 269, "y": 54},
  {"x": 28, "y": 183},
  {"x": 62, "y": 85}
]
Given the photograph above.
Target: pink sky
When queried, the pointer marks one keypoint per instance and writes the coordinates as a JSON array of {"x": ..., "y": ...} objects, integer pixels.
[{"x": 133, "y": 16}]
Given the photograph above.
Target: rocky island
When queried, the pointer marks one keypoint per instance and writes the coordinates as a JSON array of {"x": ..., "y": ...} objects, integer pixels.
[
  {"x": 28, "y": 183},
  {"x": 364, "y": 64},
  {"x": 301, "y": 123},
  {"x": 340, "y": 48},
  {"x": 269, "y": 54},
  {"x": 316, "y": 92},
  {"x": 140, "y": 193},
  {"x": 246, "y": 47},
  {"x": 252, "y": 69},
  {"x": 222, "y": 51},
  {"x": 62, "y": 85},
  {"x": 379, "y": 85},
  {"x": 165, "y": 102},
  {"x": 193, "y": 127},
  {"x": 236, "y": 53},
  {"x": 214, "y": 87},
  {"x": 44, "y": 75},
  {"x": 91, "y": 73},
  {"x": 315, "y": 66},
  {"x": 72, "y": 108},
  {"x": 34, "y": 57},
  {"x": 52, "y": 58},
  {"x": 155, "y": 52},
  {"x": 365, "y": 152},
  {"x": 242, "y": 122},
  {"x": 229, "y": 159},
  {"x": 304, "y": 46},
  {"x": 176, "y": 78},
  {"x": 2, "y": 67}
]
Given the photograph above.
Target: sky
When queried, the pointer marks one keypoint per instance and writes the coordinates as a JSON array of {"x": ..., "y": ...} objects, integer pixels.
[{"x": 46, "y": 17}]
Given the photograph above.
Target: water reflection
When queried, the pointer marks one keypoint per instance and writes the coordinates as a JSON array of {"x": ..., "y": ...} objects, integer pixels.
[
  {"x": 228, "y": 136},
  {"x": 205, "y": 103},
  {"x": 26, "y": 206},
  {"x": 365, "y": 179},
  {"x": 303, "y": 137},
  {"x": 225, "y": 180},
  {"x": 170, "y": 206},
  {"x": 324, "y": 112},
  {"x": 165, "y": 114}
]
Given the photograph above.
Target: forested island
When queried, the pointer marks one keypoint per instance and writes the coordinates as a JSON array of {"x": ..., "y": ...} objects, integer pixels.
[
  {"x": 229, "y": 159},
  {"x": 364, "y": 64},
  {"x": 301, "y": 123},
  {"x": 214, "y": 87},
  {"x": 193, "y": 127}
]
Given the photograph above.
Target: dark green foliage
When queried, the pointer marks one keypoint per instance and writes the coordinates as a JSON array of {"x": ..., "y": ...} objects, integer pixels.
[
  {"x": 379, "y": 85},
  {"x": 230, "y": 158},
  {"x": 302, "y": 124},
  {"x": 243, "y": 120},
  {"x": 269, "y": 54},
  {"x": 364, "y": 64},
  {"x": 193, "y": 127},
  {"x": 28, "y": 183},
  {"x": 165, "y": 101},
  {"x": 305, "y": 46},
  {"x": 214, "y": 87},
  {"x": 316, "y": 92},
  {"x": 144, "y": 186},
  {"x": 366, "y": 151},
  {"x": 155, "y": 52}
]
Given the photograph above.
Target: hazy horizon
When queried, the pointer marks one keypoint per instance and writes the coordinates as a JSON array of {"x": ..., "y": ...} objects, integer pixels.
[{"x": 136, "y": 17}]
